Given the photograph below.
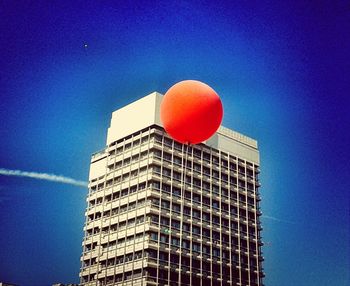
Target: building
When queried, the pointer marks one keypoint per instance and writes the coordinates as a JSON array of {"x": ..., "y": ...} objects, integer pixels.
[
  {"x": 62, "y": 284},
  {"x": 7, "y": 284},
  {"x": 164, "y": 213}
]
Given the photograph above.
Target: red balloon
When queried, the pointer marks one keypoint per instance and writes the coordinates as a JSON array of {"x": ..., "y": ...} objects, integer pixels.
[{"x": 191, "y": 111}]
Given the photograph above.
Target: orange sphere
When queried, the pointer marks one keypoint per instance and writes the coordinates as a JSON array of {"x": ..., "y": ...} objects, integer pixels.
[{"x": 191, "y": 111}]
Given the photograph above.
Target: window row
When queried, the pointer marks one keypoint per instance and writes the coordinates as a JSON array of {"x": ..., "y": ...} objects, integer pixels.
[
  {"x": 200, "y": 169},
  {"x": 131, "y": 239},
  {"x": 125, "y": 147},
  {"x": 208, "y": 204},
  {"x": 243, "y": 229},
  {"x": 128, "y": 160},
  {"x": 206, "y": 190},
  {"x": 118, "y": 210},
  {"x": 111, "y": 279},
  {"x": 206, "y": 155},
  {"x": 121, "y": 259},
  {"x": 118, "y": 194},
  {"x": 117, "y": 226},
  {"x": 205, "y": 247}
]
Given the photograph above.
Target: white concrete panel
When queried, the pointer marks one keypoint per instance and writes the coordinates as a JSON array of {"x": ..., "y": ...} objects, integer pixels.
[
  {"x": 98, "y": 168},
  {"x": 234, "y": 147},
  {"x": 135, "y": 116}
]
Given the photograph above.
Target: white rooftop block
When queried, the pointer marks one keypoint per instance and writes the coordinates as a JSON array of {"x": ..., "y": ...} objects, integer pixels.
[{"x": 135, "y": 116}]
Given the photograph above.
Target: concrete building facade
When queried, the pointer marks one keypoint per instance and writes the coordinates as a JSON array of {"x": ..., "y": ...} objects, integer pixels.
[{"x": 164, "y": 213}]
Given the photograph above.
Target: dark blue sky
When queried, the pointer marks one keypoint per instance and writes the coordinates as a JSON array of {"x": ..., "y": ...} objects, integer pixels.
[{"x": 281, "y": 69}]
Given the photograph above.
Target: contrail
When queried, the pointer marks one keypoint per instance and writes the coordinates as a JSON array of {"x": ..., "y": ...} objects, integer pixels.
[
  {"x": 277, "y": 219},
  {"x": 43, "y": 176}
]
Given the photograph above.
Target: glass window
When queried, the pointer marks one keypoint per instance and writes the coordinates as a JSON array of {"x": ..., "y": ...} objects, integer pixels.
[
  {"x": 154, "y": 236},
  {"x": 185, "y": 244},
  {"x": 196, "y": 247},
  {"x": 206, "y": 216},
  {"x": 206, "y": 232},
  {"x": 164, "y": 220},
  {"x": 186, "y": 226},
  {"x": 164, "y": 238},
  {"x": 165, "y": 204},
  {"x": 196, "y": 229},
  {"x": 175, "y": 224},
  {"x": 175, "y": 241},
  {"x": 176, "y": 207},
  {"x": 215, "y": 204}
]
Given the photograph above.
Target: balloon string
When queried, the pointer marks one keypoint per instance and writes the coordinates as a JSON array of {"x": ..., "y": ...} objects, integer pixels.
[{"x": 184, "y": 166}]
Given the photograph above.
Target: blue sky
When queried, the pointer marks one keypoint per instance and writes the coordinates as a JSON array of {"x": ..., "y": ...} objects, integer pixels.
[{"x": 281, "y": 69}]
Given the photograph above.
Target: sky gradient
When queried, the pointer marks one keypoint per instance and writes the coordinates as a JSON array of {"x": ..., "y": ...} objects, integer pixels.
[{"x": 281, "y": 70}]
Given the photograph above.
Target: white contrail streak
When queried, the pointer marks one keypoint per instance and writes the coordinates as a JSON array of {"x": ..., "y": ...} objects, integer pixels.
[
  {"x": 43, "y": 176},
  {"x": 277, "y": 219}
]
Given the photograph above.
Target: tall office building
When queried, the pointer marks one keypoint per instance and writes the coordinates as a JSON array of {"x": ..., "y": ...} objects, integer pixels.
[{"x": 164, "y": 213}]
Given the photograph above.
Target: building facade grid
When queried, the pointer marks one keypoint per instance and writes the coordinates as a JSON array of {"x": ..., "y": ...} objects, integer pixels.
[{"x": 166, "y": 213}]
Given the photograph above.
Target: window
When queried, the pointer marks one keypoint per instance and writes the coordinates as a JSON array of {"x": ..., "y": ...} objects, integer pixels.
[
  {"x": 176, "y": 192},
  {"x": 164, "y": 220},
  {"x": 224, "y": 163},
  {"x": 206, "y": 171},
  {"x": 197, "y": 167},
  {"x": 163, "y": 256},
  {"x": 216, "y": 236},
  {"x": 206, "y": 201},
  {"x": 216, "y": 219},
  {"x": 206, "y": 156},
  {"x": 167, "y": 157},
  {"x": 155, "y": 219},
  {"x": 206, "y": 249},
  {"x": 176, "y": 207},
  {"x": 206, "y": 186},
  {"x": 224, "y": 222},
  {"x": 196, "y": 182},
  {"x": 224, "y": 177},
  {"x": 166, "y": 188},
  {"x": 216, "y": 252},
  {"x": 164, "y": 238},
  {"x": 187, "y": 195},
  {"x": 196, "y": 247},
  {"x": 165, "y": 204},
  {"x": 206, "y": 217},
  {"x": 174, "y": 258},
  {"x": 196, "y": 229},
  {"x": 197, "y": 153},
  {"x": 140, "y": 219},
  {"x": 166, "y": 172},
  {"x": 155, "y": 201},
  {"x": 177, "y": 160},
  {"x": 186, "y": 226},
  {"x": 206, "y": 232},
  {"x": 155, "y": 185},
  {"x": 177, "y": 176},
  {"x": 177, "y": 146},
  {"x": 154, "y": 236},
  {"x": 196, "y": 214},
  {"x": 175, "y": 224},
  {"x": 175, "y": 241},
  {"x": 215, "y": 204},
  {"x": 185, "y": 244},
  {"x": 187, "y": 211}
]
